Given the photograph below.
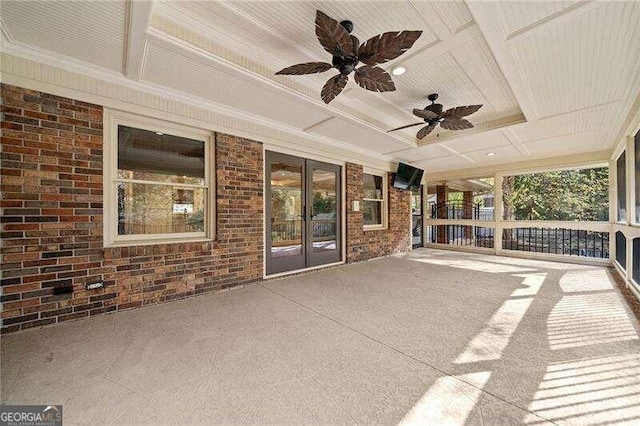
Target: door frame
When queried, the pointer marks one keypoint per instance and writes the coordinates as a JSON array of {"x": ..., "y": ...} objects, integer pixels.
[
  {"x": 269, "y": 148},
  {"x": 421, "y": 221}
]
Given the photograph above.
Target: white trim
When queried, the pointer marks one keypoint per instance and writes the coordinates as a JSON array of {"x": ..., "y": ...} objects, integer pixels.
[
  {"x": 111, "y": 120},
  {"x": 384, "y": 209}
]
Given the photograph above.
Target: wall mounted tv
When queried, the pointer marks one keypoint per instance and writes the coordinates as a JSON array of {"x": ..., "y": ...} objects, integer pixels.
[{"x": 408, "y": 177}]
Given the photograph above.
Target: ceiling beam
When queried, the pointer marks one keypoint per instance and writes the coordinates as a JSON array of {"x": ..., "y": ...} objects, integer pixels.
[
  {"x": 490, "y": 20},
  {"x": 138, "y": 15}
]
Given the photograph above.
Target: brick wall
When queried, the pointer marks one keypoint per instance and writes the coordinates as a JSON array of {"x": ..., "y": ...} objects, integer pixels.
[
  {"x": 52, "y": 220},
  {"x": 361, "y": 244},
  {"x": 52, "y": 228}
]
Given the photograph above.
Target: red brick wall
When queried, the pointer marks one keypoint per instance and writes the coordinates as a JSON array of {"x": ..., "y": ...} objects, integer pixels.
[
  {"x": 52, "y": 220},
  {"x": 52, "y": 229},
  {"x": 361, "y": 244}
]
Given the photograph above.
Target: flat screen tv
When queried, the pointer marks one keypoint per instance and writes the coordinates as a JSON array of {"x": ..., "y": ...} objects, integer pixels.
[{"x": 408, "y": 177}]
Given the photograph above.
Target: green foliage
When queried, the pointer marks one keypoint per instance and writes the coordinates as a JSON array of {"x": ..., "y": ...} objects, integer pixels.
[{"x": 581, "y": 195}]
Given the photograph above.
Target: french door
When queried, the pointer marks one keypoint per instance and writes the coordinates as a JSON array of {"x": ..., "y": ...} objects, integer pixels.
[
  {"x": 303, "y": 214},
  {"x": 417, "y": 217}
]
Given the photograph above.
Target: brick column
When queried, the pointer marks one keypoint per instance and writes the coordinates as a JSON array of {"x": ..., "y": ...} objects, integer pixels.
[
  {"x": 467, "y": 202},
  {"x": 441, "y": 212}
]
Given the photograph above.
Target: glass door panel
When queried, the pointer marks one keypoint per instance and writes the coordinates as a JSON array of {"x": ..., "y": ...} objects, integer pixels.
[
  {"x": 324, "y": 212},
  {"x": 285, "y": 213}
]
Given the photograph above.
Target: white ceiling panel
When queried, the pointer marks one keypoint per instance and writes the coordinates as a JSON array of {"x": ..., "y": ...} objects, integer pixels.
[
  {"x": 521, "y": 14},
  {"x": 589, "y": 119},
  {"x": 452, "y": 162},
  {"x": 454, "y": 14},
  {"x": 503, "y": 154},
  {"x": 582, "y": 62},
  {"x": 576, "y": 143},
  {"x": 205, "y": 79},
  {"x": 90, "y": 31},
  {"x": 443, "y": 75},
  {"x": 294, "y": 20},
  {"x": 485, "y": 73},
  {"x": 345, "y": 130},
  {"x": 480, "y": 141}
]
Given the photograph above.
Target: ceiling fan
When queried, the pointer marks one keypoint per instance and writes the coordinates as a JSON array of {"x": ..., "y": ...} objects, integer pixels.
[
  {"x": 348, "y": 53},
  {"x": 432, "y": 114}
]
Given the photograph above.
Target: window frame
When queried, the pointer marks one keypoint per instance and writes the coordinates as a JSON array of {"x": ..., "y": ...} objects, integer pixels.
[
  {"x": 113, "y": 119},
  {"x": 384, "y": 201}
]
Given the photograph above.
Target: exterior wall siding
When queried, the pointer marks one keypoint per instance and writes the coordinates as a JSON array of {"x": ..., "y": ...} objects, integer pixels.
[{"x": 52, "y": 220}]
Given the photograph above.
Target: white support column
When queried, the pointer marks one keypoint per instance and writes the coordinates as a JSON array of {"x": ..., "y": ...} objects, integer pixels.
[
  {"x": 613, "y": 207},
  {"x": 631, "y": 208}
]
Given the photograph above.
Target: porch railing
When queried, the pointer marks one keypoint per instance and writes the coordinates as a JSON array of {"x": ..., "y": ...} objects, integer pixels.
[{"x": 580, "y": 239}]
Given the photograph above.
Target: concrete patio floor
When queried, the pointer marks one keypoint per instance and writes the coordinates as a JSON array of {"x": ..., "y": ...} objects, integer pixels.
[{"x": 432, "y": 337}]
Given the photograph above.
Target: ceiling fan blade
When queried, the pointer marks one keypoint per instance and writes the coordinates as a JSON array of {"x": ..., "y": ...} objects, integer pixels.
[
  {"x": 456, "y": 124},
  {"x": 404, "y": 127},
  {"x": 332, "y": 36},
  {"x": 333, "y": 87},
  {"x": 387, "y": 46},
  {"x": 425, "y": 113},
  {"x": 425, "y": 131},
  {"x": 308, "y": 68},
  {"x": 461, "y": 111},
  {"x": 375, "y": 79}
]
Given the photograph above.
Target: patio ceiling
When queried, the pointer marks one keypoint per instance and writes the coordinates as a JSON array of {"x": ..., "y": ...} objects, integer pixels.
[{"x": 555, "y": 78}]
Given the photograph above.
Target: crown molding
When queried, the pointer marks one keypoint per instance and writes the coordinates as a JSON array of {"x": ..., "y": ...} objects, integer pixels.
[{"x": 38, "y": 70}]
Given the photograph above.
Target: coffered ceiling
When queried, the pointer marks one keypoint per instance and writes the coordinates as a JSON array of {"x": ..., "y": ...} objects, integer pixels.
[{"x": 555, "y": 78}]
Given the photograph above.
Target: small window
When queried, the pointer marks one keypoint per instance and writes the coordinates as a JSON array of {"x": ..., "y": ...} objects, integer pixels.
[
  {"x": 621, "y": 168},
  {"x": 621, "y": 250},
  {"x": 159, "y": 185},
  {"x": 374, "y": 201}
]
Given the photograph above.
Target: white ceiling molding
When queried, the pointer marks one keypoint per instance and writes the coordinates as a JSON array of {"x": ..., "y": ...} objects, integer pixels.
[
  {"x": 138, "y": 16},
  {"x": 120, "y": 93}
]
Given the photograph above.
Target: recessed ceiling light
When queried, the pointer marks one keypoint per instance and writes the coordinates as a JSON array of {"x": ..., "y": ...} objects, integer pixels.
[
  {"x": 398, "y": 70},
  {"x": 490, "y": 154},
  {"x": 159, "y": 133}
]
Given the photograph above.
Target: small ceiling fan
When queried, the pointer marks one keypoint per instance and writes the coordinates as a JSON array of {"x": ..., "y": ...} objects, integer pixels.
[
  {"x": 432, "y": 114},
  {"x": 348, "y": 53}
]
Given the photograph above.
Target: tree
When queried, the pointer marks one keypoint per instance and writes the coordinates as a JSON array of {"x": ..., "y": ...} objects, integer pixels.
[{"x": 580, "y": 195}]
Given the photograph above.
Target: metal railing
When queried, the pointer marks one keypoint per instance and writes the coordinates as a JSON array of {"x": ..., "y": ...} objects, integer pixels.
[
  {"x": 589, "y": 240},
  {"x": 462, "y": 235},
  {"x": 455, "y": 210},
  {"x": 562, "y": 241}
]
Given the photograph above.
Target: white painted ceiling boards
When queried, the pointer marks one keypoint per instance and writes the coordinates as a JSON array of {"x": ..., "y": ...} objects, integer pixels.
[{"x": 555, "y": 77}]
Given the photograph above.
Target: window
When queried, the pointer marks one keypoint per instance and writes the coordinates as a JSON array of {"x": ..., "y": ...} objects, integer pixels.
[
  {"x": 621, "y": 250},
  {"x": 158, "y": 183},
  {"x": 637, "y": 180},
  {"x": 622, "y": 188},
  {"x": 374, "y": 201},
  {"x": 636, "y": 260}
]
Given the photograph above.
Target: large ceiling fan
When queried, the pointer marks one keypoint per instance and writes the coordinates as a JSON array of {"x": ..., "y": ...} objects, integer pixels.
[
  {"x": 432, "y": 114},
  {"x": 348, "y": 53}
]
